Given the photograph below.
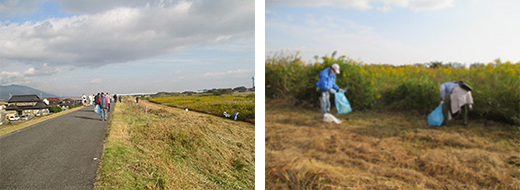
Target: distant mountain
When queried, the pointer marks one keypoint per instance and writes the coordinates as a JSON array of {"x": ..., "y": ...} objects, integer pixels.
[{"x": 5, "y": 91}]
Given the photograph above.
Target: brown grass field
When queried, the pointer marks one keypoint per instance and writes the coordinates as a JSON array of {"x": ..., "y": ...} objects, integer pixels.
[
  {"x": 169, "y": 148},
  {"x": 386, "y": 150}
]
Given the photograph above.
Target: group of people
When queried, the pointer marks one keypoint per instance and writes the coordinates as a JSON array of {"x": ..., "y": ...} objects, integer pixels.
[
  {"x": 458, "y": 93},
  {"x": 102, "y": 101}
]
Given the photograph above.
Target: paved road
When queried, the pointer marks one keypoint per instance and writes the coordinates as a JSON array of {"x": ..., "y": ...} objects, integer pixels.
[{"x": 55, "y": 154}]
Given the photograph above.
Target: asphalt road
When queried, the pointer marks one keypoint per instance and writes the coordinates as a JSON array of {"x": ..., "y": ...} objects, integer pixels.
[{"x": 60, "y": 153}]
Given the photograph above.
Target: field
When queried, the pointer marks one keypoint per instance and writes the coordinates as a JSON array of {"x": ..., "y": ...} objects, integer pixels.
[
  {"x": 243, "y": 103},
  {"x": 385, "y": 143},
  {"x": 169, "y": 148},
  {"x": 386, "y": 150}
]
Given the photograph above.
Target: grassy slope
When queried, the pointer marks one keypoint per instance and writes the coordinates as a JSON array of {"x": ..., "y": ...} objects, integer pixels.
[
  {"x": 173, "y": 149},
  {"x": 374, "y": 150}
]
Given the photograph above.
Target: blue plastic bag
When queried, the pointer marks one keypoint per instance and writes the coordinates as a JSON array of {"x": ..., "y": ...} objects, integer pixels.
[
  {"x": 342, "y": 103},
  {"x": 98, "y": 108},
  {"x": 436, "y": 118}
]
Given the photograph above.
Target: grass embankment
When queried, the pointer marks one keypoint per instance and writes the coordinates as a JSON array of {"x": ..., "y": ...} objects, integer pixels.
[
  {"x": 244, "y": 103},
  {"x": 169, "y": 148},
  {"x": 9, "y": 128},
  {"x": 375, "y": 150}
]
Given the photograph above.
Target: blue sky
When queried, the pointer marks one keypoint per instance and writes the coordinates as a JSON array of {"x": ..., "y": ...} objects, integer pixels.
[
  {"x": 126, "y": 46},
  {"x": 395, "y": 31}
]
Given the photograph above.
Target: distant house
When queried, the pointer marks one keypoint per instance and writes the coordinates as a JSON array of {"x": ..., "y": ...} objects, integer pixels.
[
  {"x": 77, "y": 100},
  {"x": 54, "y": 101},
  {"x": 30, "y": 105}
]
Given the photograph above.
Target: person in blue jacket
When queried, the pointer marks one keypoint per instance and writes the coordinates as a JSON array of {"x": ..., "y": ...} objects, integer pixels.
[{"x": 326, "y": 85}]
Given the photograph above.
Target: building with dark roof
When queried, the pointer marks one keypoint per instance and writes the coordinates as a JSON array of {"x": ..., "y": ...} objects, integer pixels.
[{"x": 30, "y": 105}]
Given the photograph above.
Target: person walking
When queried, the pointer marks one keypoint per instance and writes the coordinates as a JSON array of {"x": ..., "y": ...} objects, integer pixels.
[
  {"x": 91, "y": 99},
  {"x": 96, "y": 99},
  {"x": 327, "y": 85},
  {"x": 459, "y": 98},
  {"x": 104, "y": 104},
  {"x": 84, "y": 100}
]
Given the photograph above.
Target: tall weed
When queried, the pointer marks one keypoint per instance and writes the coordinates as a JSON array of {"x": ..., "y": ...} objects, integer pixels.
[{"x": 496, "y": 85}]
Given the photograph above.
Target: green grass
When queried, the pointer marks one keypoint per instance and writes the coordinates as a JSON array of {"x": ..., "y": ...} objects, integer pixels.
[
  {"x": 496, "y": 85},
  {"x": 216, "y": 105},
  {"x": 168, "y": 148}
]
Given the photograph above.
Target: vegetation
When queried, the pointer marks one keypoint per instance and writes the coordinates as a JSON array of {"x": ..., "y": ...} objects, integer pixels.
[
  {"x": 386, "y": 143},
  {"x": 168, "y": 148},
  {"x": 386, "y": 150},
  {"x": 496, "y": 85},
  {"x": 55, "y": 109},
  {"x": 214, "y": 104}
]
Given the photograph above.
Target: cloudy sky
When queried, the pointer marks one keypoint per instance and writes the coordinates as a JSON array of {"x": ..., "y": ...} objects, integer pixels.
[
  {"x": 395, "y": 31},
  {"x": 126, "y": 46}
]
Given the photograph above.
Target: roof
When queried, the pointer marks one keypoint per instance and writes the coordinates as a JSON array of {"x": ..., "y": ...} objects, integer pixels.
[
  {"x": 24, "y": 98},
  {"x": 54, "y": 100},
  {"x": 68, "y": 99},
  {"x": 39, "y": 105}
]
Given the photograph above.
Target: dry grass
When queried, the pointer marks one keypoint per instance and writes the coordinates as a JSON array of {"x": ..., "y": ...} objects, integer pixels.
[
  {"x": 168, "y": 148},
  {"x": 374, "y": 150},
  {"x": 9, "y": 128}
]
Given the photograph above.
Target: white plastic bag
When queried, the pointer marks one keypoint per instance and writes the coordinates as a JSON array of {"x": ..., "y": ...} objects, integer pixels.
[{"x": 330, "y": 118}]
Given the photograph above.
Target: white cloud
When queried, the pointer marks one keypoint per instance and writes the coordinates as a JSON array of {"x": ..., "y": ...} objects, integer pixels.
[
  {"x": 358, "y": 4},
  {"x": 124, "y": 31},
  {"x": 416, "y": 5},
  {"x": 7, "y": 77},
  {"x": 46, "y": 69},
  {"x": 347, "y": 37},
  {"x": 30, "y": 71},
  {"x": 230, "y": 73},
  {"x": 384, "y": 8},
  {"x": 421, "y": 5},
  {"x": 96, "y": 81},
  {"x": 27, "y": 76}
]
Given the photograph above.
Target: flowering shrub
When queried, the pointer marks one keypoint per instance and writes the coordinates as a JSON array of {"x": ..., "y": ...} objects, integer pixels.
[
  {"x": 496, "y": 85},
  {"x": 215, "y": 105}
]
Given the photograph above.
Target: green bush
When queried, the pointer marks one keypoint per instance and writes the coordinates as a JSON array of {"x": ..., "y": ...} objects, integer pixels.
[
  {"x": 55, "y": 109},
  {"x": 496, "y": 85},
  {"x": 289, "y": 77},
  {"x": 412, "y": 95}
]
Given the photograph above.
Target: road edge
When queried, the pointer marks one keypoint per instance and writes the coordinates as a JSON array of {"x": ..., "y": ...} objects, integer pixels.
[{"x": 11, "y": 129}]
